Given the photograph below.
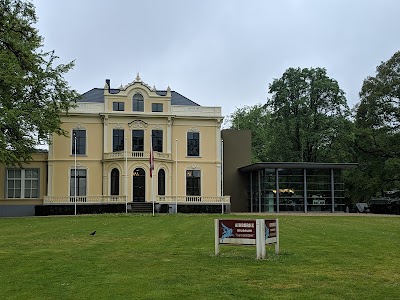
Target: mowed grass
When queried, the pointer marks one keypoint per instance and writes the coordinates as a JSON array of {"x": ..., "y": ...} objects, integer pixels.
[{"x": 172, "y": 257}]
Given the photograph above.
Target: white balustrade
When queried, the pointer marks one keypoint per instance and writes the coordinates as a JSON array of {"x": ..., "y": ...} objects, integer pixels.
[
  {"x": 193, "y": 199},
  {"x": 121, "y": 199},
  {"x": 136, "y": 155},
  {"x": 83, "y": 199}
]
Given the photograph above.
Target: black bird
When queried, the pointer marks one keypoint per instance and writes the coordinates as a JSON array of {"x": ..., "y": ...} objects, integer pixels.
[{"x": 93, "y": 233}]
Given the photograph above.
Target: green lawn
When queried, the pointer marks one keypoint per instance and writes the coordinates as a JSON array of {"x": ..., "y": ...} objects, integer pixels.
[{"x": 172, "y": 257}]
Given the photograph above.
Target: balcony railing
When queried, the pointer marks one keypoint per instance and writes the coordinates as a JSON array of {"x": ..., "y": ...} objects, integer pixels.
[
  {"x": 136, "y": 155},
  {"x": 122, "y": 199},
  {"x": 83, "y": 199},
  {"x": 193, "y": 199}
]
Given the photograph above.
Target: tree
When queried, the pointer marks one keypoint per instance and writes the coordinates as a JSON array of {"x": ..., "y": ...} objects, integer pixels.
[
  {"x": 309, "y": 117},
  {"x": 377, "y": 136},
  {"x": 33, "y": 92},
  {"x": 254, "y": 118}
]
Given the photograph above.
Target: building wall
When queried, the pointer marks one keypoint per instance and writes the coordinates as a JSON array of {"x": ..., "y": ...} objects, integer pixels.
[
  {"x": 99, "y": 120},
  {"x": 21, "y": 205},
  {"x": 237, "y": 153}
]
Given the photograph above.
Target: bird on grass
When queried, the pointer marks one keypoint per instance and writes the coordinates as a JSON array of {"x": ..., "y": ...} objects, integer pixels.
[{"x": 93, "y": 233}]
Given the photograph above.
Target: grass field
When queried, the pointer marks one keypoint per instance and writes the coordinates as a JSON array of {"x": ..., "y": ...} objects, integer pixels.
[{"x": 172, "y": 257}]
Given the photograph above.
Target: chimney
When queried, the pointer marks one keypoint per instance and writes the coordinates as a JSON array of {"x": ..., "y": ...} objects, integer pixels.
[{"x": 108, "y": 82}]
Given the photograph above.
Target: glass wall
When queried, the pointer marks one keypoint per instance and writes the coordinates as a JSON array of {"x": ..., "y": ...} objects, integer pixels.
[
  {"x": 290, "y": 187},
  {"x": 319, "y": 194}
]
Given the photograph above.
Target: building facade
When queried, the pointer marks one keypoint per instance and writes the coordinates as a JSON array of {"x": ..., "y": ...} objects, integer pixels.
[
  {"x": 134, "y": 144},
  {"x": 23, "y": 187},
  {"x": 295, "y": 187},
  {"x": 273, "y": 187}
]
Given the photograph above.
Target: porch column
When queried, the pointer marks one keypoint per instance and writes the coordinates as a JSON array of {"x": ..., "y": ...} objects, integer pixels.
[
  {"x": 333, "y": 191},
  {"x": 219, "y": 156},
  {"x": 169, "y": 135},
  {"x": 50, "y": 175},
  {"x": 251, "y": 191},
  {"x": 259, "y": 191},
  {"x": 305, "y": 189},
  {"x": 277, "y": 188}
]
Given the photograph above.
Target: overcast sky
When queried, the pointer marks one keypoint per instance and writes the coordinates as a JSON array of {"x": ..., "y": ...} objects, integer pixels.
[{"x": 219, "y": 52}]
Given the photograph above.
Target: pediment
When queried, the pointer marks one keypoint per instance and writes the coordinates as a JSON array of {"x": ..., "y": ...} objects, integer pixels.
[
  {"x": 138, "y": 86},
  {"x": 138, "y": 124}
]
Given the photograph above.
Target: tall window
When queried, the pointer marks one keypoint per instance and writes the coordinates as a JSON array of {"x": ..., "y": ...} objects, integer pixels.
[
  {"x": 193, "y": 144},
  {"x": 118, "y": 106},
  {"x": 23, "y": 183},
  {"x": 118, "y": 140},
  {"x": 193, "y": 183},
  {"x": 80, "y": 182},
  {"x": 137, "y": 140},
  {"x": 161, "y": 182},
  {"x": 157, "y": 107},
  {"x": 80, "y": 141},
  {"x": 157, "y": 138},
  {"x": 137, "y": 102},
  {"x": 115, "y": 181}
]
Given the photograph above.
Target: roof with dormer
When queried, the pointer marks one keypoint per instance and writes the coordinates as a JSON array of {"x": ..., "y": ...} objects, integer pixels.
[{"x": 96, "y": 95}]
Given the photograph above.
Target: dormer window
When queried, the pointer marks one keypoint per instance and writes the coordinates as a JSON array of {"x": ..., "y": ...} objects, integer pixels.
[{"x": 137, "y": 102}]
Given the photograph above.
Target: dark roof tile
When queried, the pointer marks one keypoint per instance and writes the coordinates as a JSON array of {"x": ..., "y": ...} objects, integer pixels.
[{"x": 96, "y": 95}]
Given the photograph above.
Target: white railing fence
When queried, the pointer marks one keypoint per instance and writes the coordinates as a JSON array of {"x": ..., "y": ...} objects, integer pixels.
[
  {"x": 122, "y": 199},
  {"x": 136, "y": 155},
  {"x": 193, "y": 199},
  {"x": 83, "y": 199}
]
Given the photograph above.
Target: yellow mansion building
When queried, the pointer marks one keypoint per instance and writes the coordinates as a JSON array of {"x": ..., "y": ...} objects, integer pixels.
[{"x": 107, "y": 157}]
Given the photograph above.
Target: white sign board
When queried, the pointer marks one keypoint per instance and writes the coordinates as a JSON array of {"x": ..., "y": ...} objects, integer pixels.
[{"x": 259, "y": 232}]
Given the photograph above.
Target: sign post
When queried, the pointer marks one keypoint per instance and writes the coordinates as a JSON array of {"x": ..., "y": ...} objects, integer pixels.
[{"x": 259, "y": 232}]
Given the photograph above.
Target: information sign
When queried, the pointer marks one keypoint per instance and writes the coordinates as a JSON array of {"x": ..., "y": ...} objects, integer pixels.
[{"x": 259, "y": 232}]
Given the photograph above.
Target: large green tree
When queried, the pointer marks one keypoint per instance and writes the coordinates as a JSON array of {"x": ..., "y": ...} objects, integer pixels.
[
  {"x": 33, "y": 92},
  {"x": 255, "y": 118},
  {"x": 378, "y": 130},
  {"x": 309, "y": 118}
]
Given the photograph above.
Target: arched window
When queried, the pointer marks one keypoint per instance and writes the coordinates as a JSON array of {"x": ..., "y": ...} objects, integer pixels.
[
  {"x": 115, "y": 182},
  {"x": 161, "y": 182},
  {"x": 138, "y": 102}
]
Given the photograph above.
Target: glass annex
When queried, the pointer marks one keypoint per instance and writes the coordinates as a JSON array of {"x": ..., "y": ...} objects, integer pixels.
[{"x": 295, "y": 187}]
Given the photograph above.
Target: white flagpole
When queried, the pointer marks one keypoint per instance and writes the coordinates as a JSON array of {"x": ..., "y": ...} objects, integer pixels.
[
  {"x": 126, "y": 175},
  {"x": 75, "y": 173},
  {"x": 222, "y": 176},
  {"x": 176, "y": 176},
  {"x": 152, "y": 169},
  {"x": 152, "y": 191}
]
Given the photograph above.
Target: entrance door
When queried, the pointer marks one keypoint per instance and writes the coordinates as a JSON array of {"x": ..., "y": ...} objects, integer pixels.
[{"x": 139, "y": 185}]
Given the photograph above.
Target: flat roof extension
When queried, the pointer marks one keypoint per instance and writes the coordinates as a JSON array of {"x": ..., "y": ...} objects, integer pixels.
[{"x": 295, "y": 165}]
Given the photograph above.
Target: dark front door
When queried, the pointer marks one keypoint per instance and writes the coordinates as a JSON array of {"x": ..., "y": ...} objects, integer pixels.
[{"x": 139, "y": 185}]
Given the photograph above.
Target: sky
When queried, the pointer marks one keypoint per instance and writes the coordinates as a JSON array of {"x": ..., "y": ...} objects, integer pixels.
[{"x": 218, "y": 52}]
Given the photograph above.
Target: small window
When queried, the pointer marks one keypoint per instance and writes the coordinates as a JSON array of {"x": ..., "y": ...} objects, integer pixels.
[
  {"x": 80, "y": 136},
  {"x": 137, "y": 102},
  {"x": 193, "y": 144},
  {"x": 157, "y": 107},
  {"x": 118, "y": 140},
  {"x": 157, "y": 140},
  {"x": 118, "y": 106},
  {"x": 193, "y": 183}
]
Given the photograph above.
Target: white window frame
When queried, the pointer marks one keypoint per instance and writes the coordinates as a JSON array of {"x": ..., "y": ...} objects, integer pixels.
[
  {"x": 187, "y": 154},
  {"x": 73, "y": 141},
  {"x": 22, "y": 179}
]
